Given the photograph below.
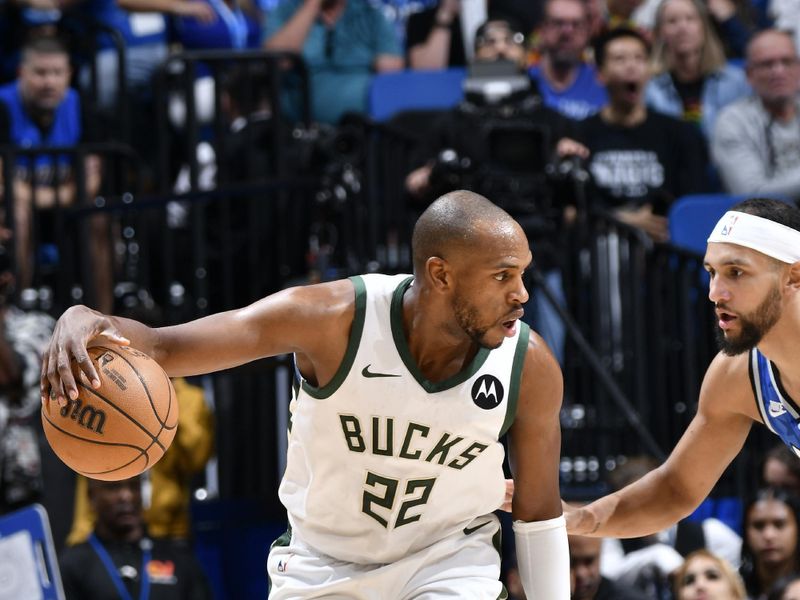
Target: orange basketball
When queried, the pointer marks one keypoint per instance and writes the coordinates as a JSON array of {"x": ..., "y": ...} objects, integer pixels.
[{"x": 121, "y": 428}]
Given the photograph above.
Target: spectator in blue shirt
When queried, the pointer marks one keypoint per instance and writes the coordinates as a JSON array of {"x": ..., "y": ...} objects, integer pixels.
[
  {"x": 693, "y": 80},
  {"x": 44, "y": 111},
  {"x": 566, "y": 83},
  {"x": 344, "y": 42}
]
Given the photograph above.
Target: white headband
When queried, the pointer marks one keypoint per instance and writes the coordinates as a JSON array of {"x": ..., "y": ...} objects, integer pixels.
[{"x": 765, "y": 236}]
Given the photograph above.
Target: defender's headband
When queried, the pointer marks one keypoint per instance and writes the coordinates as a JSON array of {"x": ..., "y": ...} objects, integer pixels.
[{"x": 765, "y": 236}]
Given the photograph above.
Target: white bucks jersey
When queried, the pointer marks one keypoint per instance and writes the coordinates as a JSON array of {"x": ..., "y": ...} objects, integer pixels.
[{"x": 382, "y": 462}]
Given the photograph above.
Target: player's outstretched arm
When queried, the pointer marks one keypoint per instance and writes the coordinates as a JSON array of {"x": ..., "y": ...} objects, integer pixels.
[
  {"x": 313, "y": 321},
  {"x": 535, "y": 444},
  {"x": 671, "y": 492}
]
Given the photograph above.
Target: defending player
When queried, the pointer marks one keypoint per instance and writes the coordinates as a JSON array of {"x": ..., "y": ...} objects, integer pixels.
[
  {"x": 405, "y": 385},
  {"x": 753, "y": 258}
]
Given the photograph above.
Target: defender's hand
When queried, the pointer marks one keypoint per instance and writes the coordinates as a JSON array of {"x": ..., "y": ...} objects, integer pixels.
[{"x": 77, "y": 329}]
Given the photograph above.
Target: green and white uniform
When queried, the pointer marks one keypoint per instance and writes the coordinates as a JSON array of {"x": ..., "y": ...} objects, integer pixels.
[{"x": 386, "y": 470}]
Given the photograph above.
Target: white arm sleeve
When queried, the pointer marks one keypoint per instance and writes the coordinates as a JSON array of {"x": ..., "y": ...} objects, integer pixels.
[{"x": 543, "y": 558}]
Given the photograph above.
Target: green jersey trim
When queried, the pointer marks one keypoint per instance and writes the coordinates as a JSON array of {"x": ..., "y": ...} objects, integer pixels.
[
  {"x": 516, "y": 376},
  {"x": 396, "y": 314},
  {"x": 320, "y": 393}
]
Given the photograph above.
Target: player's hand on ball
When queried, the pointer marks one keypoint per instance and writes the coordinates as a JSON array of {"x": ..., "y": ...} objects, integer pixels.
[{"x": 77, "y": 329}]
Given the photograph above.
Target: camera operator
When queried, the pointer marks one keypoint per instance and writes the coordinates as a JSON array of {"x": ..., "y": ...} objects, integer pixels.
[
  {"x": 458, "y": 137},
  {"x": 499, "y": 142},
  {"x": 23, "y": 335}
]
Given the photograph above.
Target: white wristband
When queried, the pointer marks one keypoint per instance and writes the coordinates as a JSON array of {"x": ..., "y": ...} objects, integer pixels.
[{"x": 543, "y": 558}]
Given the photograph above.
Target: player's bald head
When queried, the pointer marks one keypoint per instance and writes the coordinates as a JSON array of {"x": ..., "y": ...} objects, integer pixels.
[{"x": 458, "y": 222}]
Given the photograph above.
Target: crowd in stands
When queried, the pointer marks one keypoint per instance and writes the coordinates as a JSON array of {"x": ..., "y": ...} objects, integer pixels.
[{"x": 656, "y": 99}]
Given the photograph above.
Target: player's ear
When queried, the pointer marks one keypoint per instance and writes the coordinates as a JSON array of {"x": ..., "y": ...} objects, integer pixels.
[
  {"x": 794, "y": 275},
  {"x": 438, "y": 273}
]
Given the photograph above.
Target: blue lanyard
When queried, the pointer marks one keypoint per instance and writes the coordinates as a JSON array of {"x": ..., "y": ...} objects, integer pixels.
[
  {"x": 234, "y": 21},
  {"x": 144, "y": 590}
]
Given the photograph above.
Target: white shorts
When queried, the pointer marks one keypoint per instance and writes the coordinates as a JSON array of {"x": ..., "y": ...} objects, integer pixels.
[{"x": 463, "y": 565}]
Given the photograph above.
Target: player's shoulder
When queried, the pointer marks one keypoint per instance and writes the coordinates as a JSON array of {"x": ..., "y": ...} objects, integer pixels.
[
  {"x": 541, "y": 373},
  {"x": 726, "y": 385},
  {"x": 329, "y": 297},
  {"x": 538, "y": 354}
]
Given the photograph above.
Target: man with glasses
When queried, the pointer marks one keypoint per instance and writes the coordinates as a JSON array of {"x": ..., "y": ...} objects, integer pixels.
[
  {"x": 567, "y": 83},
  {"x": 756, "y": 141}
]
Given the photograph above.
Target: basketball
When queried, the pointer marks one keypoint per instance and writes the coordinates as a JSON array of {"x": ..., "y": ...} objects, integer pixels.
[{"x": 121, "y": 428}]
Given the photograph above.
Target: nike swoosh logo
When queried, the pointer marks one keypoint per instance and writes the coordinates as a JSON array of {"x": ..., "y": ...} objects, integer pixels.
[
  {"x": 367, "y": 373},
  {"x": 468, "y": 530}
]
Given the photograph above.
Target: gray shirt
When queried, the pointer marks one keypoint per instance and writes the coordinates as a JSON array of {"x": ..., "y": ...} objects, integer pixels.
[{"x": 754, "y": 153}]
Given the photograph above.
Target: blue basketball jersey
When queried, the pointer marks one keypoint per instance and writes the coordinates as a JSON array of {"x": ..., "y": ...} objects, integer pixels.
[{"x": 778, "y": 411}]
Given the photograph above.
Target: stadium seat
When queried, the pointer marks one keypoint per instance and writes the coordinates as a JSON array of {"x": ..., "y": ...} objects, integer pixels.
[
  {"x": 28, "y": 564},
  {"x": 391, "y": 93},
  {"x": 691, "y": 218}
]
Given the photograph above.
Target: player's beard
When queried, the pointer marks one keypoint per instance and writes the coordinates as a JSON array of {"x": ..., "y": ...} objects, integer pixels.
[
  {"x": 753, "y": 327},
  {"x": 467, "y": 319}
]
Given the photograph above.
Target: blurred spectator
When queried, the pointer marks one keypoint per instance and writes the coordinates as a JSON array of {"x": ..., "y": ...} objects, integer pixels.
[
  {"x": 640, "y": 159},
  {"x": 230, "y": 27},
  {"x": 705, "y": 576},
  {"x": 45, "y": 111},
  {"x": 647, "y": 563},
  {"x": 787, "y": 588},
  {"x": 23, "y": 336},
  {"x": 781, "y": 469},
  {"x": 756, "y": 141},
  {"x": 619, "y": 13},
  {"x": 693, "y": 80},
  {"x": 343, "y": 42},
  {"x": 444, "y": 35},
  {"x": 584, "y": 563},
  {"x": 567, "y": 83},
  {"x": 168, "y": 482},
  {"x": 227, "y": 26},
  {"x": 120, "y": 561},
  {"x": 784, "y": 15},
  {"x": 770, "y": 550},
  {"x": 732, "y": 21},
  {"x": 143, "y": 27}
]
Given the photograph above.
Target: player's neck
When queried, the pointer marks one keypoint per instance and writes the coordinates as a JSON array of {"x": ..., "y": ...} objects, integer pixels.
[
  {"x": 439, "y": 350},
  {"x": 782, "y": 347}
]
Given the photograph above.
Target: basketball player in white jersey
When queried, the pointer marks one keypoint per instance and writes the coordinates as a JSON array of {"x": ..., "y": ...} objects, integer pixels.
[
  {"x": 404, "y": 386},
  {"x": 753, "y": 259}
]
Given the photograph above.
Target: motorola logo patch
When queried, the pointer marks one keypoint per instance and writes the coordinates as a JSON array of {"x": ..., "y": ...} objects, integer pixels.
[{"x": 487, "y": 392}]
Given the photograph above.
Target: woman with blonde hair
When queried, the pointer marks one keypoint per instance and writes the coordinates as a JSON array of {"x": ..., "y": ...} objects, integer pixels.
[
  {"x": 692, "y": 79},
  {"x": 707, "y": 576}
]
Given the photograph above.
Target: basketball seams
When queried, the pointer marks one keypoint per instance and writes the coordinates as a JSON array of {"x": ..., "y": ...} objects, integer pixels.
[
  {"x": 127, "y": 447},
  {"x": 142, "y": 452},
  {"x": 142, "y": 381},
  {"x": 153, "y": 438}
]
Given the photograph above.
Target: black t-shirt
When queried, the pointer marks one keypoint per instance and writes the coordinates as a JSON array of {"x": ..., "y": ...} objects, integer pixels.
[
  {"x": 610, "y": 590},
  {"x": 174, "y": 572},
  {"x": 656, "y": 161},
  {"x": 691, "y": 94},
  {"x": 419, "y": 27}
]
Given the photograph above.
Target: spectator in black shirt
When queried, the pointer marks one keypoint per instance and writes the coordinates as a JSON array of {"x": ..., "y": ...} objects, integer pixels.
[
  {"x": 584, "y": 564},
  {"x": 640, "y": 160},
  {"x": 120, "y": 561}
]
